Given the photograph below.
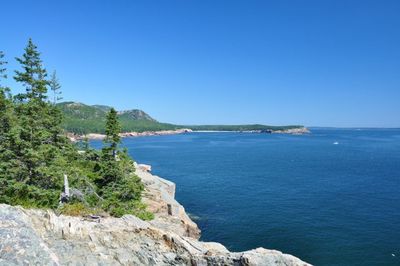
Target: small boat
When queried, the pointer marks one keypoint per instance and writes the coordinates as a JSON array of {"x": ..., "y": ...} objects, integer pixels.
[{"x": 335, "y": 143}]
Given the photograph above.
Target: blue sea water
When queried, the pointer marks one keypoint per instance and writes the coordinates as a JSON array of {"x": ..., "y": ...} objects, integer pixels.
[{"x": 326, "y": 203}]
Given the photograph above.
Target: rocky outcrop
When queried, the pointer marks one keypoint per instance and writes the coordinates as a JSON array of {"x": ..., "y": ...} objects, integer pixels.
[
  {"x": 97, "y": 136},
  {"x": 156, "y": 133},
  {"x": 144, "y": 167},
  {"x": 160, "y": 198},
  {"x": 40, "y": 237},
  {"x": 293, "y": 131}
]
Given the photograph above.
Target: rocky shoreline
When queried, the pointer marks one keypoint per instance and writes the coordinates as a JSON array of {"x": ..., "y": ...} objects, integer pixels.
[
  {"x": 293, "y": 131},
  {"x": 93, "y": 136},
  {"x": 97, "y": 136},
  {"x": 40, "y": 237}
]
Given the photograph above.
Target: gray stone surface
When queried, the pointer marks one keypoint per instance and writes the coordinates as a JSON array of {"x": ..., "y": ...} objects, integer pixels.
[
  {"x": 159, "y": 194},
  {"x": 39, "y": 237}
]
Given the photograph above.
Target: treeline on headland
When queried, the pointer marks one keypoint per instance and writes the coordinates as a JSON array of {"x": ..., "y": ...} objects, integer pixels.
[
  {"x": 40, "y": 167},
  {"x": 82, "y": 119},
  {"x": 255, "y": 127}
]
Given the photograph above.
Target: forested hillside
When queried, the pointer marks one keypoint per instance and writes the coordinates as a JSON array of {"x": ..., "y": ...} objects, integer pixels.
[{"x": 82, "y": 119}]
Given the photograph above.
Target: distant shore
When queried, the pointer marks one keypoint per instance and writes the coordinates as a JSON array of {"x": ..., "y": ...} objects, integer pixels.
[
  {"x": 98, "y": 136},
  {"x": 75, "y": 137},
  {"x": 292, "y": 131}
]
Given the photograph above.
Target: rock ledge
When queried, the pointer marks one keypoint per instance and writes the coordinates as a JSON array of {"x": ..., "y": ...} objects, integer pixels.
[{"x": 40, "y": 237}]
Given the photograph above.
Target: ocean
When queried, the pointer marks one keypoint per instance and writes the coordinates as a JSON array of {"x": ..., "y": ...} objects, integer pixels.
[{"x": 330, "y": 198}]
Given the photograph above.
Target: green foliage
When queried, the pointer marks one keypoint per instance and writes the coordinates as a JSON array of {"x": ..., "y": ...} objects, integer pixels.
[
  {"x": 20, "y": 193},
  {"x": 55, "y": 87},
  {"x": 35, "y": 154},
  {"x": 3, "y": 74},
  {"x": 84, "y": 119},
  {"x": 113, "y": 128},
  {"x": 241, "y": 127},
  {"x": 77, "y": 208},
  {"x": 33, "y": 75},
  {"x": 5, "y": 102}
]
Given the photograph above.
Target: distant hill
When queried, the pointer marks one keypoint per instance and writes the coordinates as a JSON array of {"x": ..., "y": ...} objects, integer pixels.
[
  {"x": 105, "y": 108},
  {"x": 135, "y": 114},
  {"x": 82, "y": 119}
]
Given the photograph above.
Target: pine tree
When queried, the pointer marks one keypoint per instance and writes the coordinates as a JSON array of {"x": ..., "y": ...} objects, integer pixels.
[
  {"x": 113, "y": 128},
  {"x": 55, "y": 112},
  {"x": 110, "y": 168},
  {"x": 32, "y": 108},
  {"x": 35, "y": 155},
  {"x": 55, "y": 87},
  {"x": 33, "y": 76},
  {"x": 36, "y": 119},
  {"x": 31, "y": 160},
  {"x": 5, "y": 103},
  {"x": 4, "y": 91},
  {"x": 3, "y": 74}
]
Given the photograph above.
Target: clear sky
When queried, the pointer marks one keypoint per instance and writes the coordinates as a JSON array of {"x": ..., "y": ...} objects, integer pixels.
[{"x": 317, "y": 63}]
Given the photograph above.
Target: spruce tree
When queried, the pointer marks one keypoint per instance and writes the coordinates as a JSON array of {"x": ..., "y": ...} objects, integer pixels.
[
  {"x": 3, "y": 74},
  {"x": 32, "y": 108},
  {"x": 110, "y": 169},
  {"x": 5, "y": 102},
  {"x": 55, "y": 112},
  {"x": 33, "y": 76},
  {"x": 36, "y": 131},
  {"x": 32, "y": 162},
  {"x": 55, "y": 87},
  {"x": 35, "y": 155},
  {"x": 4, "y": 91},
  {"x": 7, "y": 118},
  {"x": 113, "y": 128}
]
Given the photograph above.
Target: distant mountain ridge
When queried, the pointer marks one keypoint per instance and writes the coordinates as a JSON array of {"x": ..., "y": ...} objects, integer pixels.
[
  {"x": 81, "y": 118},
  {"x": 89, "y": 111},
  {"x": 135, "y": 114}
]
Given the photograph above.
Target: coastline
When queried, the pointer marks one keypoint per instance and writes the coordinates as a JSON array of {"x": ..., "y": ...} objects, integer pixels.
[
  {"x": 97, "y": 136},
  {"x": 171, "y": 238}
]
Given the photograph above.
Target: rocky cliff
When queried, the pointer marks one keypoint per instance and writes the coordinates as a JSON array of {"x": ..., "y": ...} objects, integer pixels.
[
  {"x": 39, "y": 237},
  {"x": 293, "y": 131}
]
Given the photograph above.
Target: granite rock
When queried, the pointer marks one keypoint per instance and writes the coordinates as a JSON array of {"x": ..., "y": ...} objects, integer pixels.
[{"x": 40, "y": 237}]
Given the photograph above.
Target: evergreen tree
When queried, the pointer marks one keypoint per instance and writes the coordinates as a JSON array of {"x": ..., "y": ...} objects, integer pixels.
[
  {"x": 4, "y": 91},
  {"x": 55, "y": 87},
  {"x": 3, "y": 74},
  {"x": 113, "y": 128},
  {"x": 35, "y": 154},
  {"x": 5, "y": 102},
  {"x": 110, "y": 168},
  {"x": 33, "y": 76},
  {"x": 55, "y": 112},
  {"x": 38, "y": 123},
  {"x": 32, "y": 108}
]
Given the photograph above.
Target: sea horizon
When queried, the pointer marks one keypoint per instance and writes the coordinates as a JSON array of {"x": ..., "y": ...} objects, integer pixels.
[{"x": 247, "y": 190}]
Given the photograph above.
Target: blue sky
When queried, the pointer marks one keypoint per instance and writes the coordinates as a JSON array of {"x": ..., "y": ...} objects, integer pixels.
[{"x": 317, "y": 63}]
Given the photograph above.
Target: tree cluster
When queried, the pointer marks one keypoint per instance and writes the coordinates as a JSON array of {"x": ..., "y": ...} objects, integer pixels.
[{"x": 35, "y": 153}]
